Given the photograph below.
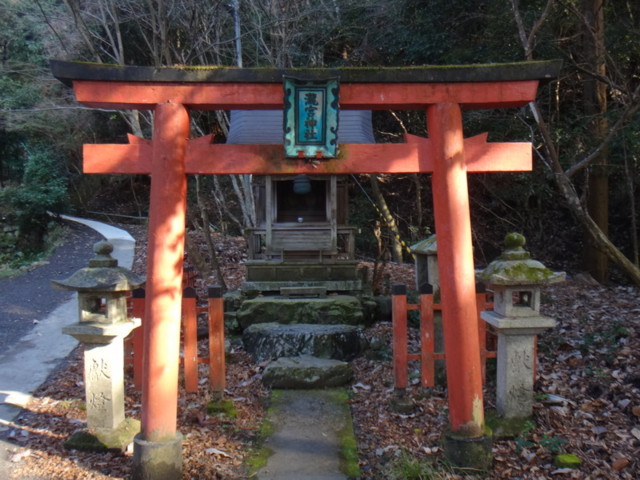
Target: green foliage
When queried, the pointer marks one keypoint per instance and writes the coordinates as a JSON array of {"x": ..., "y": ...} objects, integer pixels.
[
  {"x": 550, "y": 443},
  {"x": 42, "y": 192}
]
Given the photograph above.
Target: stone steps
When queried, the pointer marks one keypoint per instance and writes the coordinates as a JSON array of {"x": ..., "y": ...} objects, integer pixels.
[
  {"x": 270, "y": 341},
  {"x": 304, "y": 356},
  {"x": 307, "y": 341}
]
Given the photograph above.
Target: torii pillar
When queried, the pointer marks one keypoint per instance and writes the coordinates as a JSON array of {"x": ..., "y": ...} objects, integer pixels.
[{"x": 170, "y": 92}]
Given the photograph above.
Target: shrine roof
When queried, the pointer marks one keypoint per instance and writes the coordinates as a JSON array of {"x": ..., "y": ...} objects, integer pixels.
[{"x": 67, "y": 72}]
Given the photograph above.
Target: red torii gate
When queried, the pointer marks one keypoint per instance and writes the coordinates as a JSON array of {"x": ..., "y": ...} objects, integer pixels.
[{"x": 171, "y": 92}]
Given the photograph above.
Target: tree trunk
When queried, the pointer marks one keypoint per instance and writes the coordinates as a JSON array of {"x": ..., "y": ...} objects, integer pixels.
[
  {"x": 206, "y": 230},
  {"x": 595, "y": 260},
  {"x": 396, "y": 244},
  {"x": 597, "y": 236}
]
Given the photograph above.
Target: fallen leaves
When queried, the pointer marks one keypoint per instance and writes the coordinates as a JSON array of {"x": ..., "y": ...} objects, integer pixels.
[{"x": 587, "y": 400}]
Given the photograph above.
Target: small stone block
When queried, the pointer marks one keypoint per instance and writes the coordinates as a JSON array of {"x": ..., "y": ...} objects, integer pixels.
[{"x": 306, "y": 372}]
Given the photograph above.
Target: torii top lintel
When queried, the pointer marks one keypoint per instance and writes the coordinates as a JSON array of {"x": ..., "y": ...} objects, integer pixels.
[
  {"x": 202, "y": 88},
  {"x": 471, "y": 86}
]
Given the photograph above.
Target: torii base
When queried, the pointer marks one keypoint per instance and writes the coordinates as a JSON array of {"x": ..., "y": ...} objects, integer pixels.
[
  {"x": 468, "y": 454},
  {"x": 157, "y": 460}
]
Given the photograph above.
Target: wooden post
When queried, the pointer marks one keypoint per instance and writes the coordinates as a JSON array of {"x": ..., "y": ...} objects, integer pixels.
[
  {"x": 164, "y": 273},
  {"x": 400, "y": 335},
  {"x": 190, "y": 339},
  {"x": 455, "y": 266},
  {"x": 427, "y": 338},
  {"x": 217, "y": 367}
]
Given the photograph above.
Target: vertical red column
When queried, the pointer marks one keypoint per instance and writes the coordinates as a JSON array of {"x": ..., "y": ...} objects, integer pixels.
[
  {"x": 455, "y": 266},
  {"x": 164, "y": 273},
  {"x": 400, "y": 336}
]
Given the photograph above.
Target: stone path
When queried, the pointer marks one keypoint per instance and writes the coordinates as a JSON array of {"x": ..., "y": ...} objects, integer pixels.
[{"x": 308, "y": 428}]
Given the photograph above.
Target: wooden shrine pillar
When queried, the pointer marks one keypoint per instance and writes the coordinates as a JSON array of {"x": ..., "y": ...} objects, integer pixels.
[
  {"x": 456, "y": 270},
  {"x": 158, "y": 449}
]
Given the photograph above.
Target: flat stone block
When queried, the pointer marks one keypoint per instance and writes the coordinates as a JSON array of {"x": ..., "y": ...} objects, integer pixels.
[
  {"x": 270, "y": 341},
  {"x": 306, "y": 372},
  {"x": 103, "y": 439}
]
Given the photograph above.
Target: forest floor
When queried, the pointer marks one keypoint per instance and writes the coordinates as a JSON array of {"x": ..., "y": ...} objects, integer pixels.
[{"x": 587, "y": 402}]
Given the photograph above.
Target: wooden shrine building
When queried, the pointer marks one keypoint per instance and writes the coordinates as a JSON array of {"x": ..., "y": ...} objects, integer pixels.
[{"x": 302, "y": 233}]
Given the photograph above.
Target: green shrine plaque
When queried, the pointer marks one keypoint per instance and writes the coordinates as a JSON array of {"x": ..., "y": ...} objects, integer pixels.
[{"x": 311, "y": 118}]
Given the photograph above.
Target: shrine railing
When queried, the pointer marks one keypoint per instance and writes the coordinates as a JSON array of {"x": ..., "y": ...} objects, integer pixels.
[
  {"x": 209, "y": 351},
  {"x": 427, "y": 354}
]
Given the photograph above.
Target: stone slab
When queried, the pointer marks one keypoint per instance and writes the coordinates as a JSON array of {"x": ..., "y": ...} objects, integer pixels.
[
  {"x": 270, "y": 341},
  {"x": 336, "y": 309},
  {"x": 306, "y": 372}
]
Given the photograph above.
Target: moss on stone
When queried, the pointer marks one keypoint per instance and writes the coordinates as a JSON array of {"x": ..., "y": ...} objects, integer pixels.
[
  {"x": 103, "y": 440},
  {"x": 567, "y": 460},
  {"x": 257, "y": 460},
  {"x": 507, "y": 427},
  {"x": 469, "y": 454},
  {"x": 223, "y": 408},
  {"x": 348, "y": 444}
]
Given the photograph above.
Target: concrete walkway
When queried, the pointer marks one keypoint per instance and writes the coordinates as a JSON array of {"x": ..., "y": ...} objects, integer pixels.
[
  {"x": 28, "y": 363},
  {"x": 309, "y": 427}
]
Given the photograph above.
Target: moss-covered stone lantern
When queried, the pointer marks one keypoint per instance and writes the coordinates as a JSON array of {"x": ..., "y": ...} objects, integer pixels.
[
  {"x": 103, "y": 324},
  {"x": 516, "y": 282},
  {"x": 425, "y": 253}
]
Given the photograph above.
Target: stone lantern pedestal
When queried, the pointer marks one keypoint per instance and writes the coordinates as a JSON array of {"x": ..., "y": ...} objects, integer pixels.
[
  {"x": 103, "y": 324},
  {"x": 516, "y": 281}
]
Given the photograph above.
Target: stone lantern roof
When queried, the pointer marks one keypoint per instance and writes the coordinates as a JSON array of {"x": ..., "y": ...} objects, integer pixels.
[
  {"x": 516, "y": 267},
  {"x": 102, "y": 275}
]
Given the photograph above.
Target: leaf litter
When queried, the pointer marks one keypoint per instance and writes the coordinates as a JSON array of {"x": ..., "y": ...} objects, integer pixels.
[{"x": 587, "y": 400}]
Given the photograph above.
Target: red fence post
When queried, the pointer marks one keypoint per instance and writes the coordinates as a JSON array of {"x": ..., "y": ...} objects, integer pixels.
[
  {"x": 400, "y": 335},
  {"x": 427, "y": 338},
  {"x": 216, "y": 341},
  {"x": 190, "y": 339}
]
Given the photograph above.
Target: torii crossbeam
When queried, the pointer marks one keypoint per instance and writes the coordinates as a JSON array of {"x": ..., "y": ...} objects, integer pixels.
[{"x": 443, "y": 92}]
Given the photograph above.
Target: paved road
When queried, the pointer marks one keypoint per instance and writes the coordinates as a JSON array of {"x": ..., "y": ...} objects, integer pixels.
[
  {"x": 29, "y": 297},
  {"x": 32, "y": 315}
]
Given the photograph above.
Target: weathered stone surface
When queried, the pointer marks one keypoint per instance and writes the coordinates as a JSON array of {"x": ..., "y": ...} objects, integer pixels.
[
  {"x": 104, "y": 439},
  {"x": 306, "y": 372},
  {"x": 338, "y": 309},
  {"x": 270, "y": 341}
]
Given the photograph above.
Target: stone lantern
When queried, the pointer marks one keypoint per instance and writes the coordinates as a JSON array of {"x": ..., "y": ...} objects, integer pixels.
[
  {"x": 516, "y": 280},
  {"x": 425, "y": 253},
  {"x": 103, "y": 324}
]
